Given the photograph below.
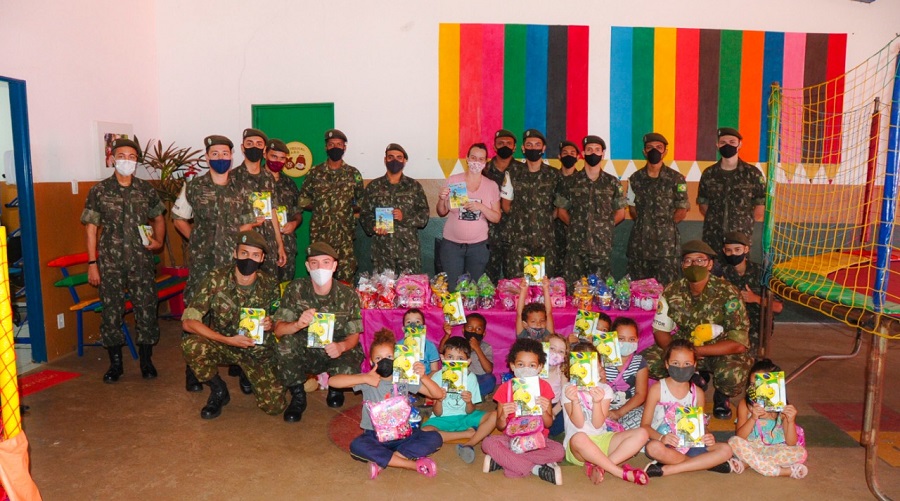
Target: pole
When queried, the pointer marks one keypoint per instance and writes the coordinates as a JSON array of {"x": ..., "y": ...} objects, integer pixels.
[{"x": 766, "y": 317}]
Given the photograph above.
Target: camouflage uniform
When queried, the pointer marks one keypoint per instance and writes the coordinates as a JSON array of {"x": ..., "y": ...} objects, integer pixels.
[
  {"x": 123, "y": 261},
  {"x": 295, "y": 360},
  {"x": 730, "y": 197},
  {"x": 398, "y": 251},
  {"x": 592, "y": 206},
  {"x": 752, "y": 277},
  {"x": 220, "y": 297},
  {"x": 332, "y": 194},
  {"x": 264, "y": 181},
  {"x": 560, "y": 230},
  {"x": 654, "y": 242},
  {"x": 497, "y": 242},
  {"x": 719, "y": 303},
  {"x": 218, "y": 213},
  {"x": 529, "y": 228},
  {"x": 287, "y": 193}
]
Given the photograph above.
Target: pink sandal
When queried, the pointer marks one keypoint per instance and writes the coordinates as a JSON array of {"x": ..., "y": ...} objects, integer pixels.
[
  {"x": 638, "y": 476},
  {"x": 590, "y": 468},
  {"x": 374, "y": 470},
  {"x": 426, "y": 467}
]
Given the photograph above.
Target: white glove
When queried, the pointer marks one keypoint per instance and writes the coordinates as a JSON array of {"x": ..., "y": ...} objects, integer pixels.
[
  {"x": 506, "y": 191},
  {"x": 181, "y": 207},
  {"x": 662, "y": 322}
]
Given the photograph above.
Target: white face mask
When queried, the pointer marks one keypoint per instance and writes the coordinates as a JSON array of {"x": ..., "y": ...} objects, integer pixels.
[
  {"x": 320, "y": 276},
  {"x": 475, "y": 167},
  {"x": 627, "y": 348},
  {"x": 125, "y": 167},
  {"x": 526, "y": 372}
]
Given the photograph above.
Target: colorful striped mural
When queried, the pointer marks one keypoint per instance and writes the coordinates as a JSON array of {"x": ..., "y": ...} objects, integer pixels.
[
  {"x": 685, "y": 83},
  {"x": 513, "y": 76}
]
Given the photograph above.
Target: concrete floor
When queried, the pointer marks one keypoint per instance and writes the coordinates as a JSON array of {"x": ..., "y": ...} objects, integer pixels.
[{"x": 145, "y": 440}]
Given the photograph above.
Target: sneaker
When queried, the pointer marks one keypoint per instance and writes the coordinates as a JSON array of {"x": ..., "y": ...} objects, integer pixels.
[
  {"x": 550, "y": 473},
  {"x": 490, "y": 465},
  {"x": 653, "y": 469},
  {"x": 466, "y": 453},
  {"x": 374, "y": 470},
  {"x": 721, "y": 406}
]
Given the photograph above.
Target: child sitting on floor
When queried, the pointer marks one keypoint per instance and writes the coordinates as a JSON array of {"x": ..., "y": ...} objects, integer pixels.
[
  {"x": 414, "y": 317},
  {"x": 482, "y": 364},
  {"x": 628, "y": 381},
  {"x": 557, "y": 376},
  {"x": 534, "y": 320}
]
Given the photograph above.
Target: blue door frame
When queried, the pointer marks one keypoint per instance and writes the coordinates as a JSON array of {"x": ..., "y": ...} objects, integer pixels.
[{"x": 18, "y": 104}]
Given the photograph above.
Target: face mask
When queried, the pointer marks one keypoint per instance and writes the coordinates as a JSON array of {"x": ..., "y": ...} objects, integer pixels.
[
  {"x": 526, "y": 372},
  {"x": 682, "y": 374},
  {"x": 504, "y": 152},
  {"x": 554, "y": 359},
  {"x": 627, "y": 349},
  {"x": 533, "y": 155},
  {"x": 125, "y": 167},
  {"x": 654, "y": 156},
  {"x": 593, "y": 159},
  {"x": 394, "y": 166},
  {"x": 735, "y": 259},
  {"x": 253, "y": 154},
  {"x": 569, "y": 161},
  {"x": 247, "y": 266},
  {"x": 476, "y": 167},
  {"x": 470, "y": 334},
  {"x": 695, "y": 273},
  {"x": 536, "y": 333},
  {"x": 220, "y": 166},
  {"x": 385, "y": 367},
  {"x": 727, "y": 150},
  {"x": 320, "y": 277},
  {"x": 274, "y": 166},
  {"x": 335, "y": 154}
]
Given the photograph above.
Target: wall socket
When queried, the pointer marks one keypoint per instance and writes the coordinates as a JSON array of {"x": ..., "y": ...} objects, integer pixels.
[
  {"x": 60, "y": 321},
  {"x": 74, "y": 187}
]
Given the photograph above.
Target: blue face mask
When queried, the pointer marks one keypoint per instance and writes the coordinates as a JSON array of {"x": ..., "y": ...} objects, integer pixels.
[{"x": 220, "y": 166}]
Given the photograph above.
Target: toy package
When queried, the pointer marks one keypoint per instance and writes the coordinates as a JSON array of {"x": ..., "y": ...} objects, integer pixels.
[
  {"x": 582, "y": 295},
  {"x": 584, "y": 370},
  {"x": 607, "y": 344},
  {"x": 384, "y": 288},
  {"x": 281, "y": 213},
  {"x": 645, "y": 293},
  {"x": 390, "y": 417},
  {"x": 586, "y": 324},
  {"x": 557, "y": 292},
  {"x": 534, "y": 270},
  {"x": 412, "y": 291},
  {"x": 251, "y": 324},
  {"x": 146, "y": 233},
  {"x": 454, "y": 374},
  {"x": 454, "y": 313},
  {"x": 690, "y": 426},
  {"x": 545, "y": 371},
  {"x": 486, "y": 291},
  {"x": 622, "y": 294},
  {"x": 770, "y": 391},
  {"x": 365, "y": 289},
  {"x": 414, "y": 337},
  {"x": 404, "y": 359},
  {"x": 321, "y": 331},
  {"x": 384, "y": 219},
  {"x": 459, "y": 195},
  {"x": 525, "y": 392},
  {"x": 439, "y": 289},
  {"x": 508, "y": 292},
  {"x": 262, "y": 204},
  {"x": 468, "y": 289}
]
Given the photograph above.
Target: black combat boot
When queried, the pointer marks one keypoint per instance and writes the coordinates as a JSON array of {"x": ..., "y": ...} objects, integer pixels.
[
  {"x": 234, "y": 370},
  {"x": 115, "y": 364},
  {"x": 335, "y": 398},
  {"x": 218, "y": 398},
  {"x": 148, "y": 371},
  {"x": 191, "y": 383},
  {"x": 721, "y": 405},
  {"x": 244, "y": 383},
  {"x": 295, "y": 409}
]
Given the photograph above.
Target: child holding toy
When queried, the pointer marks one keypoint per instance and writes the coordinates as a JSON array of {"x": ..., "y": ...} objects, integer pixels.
[
  {"x": 557, "y": 376},
  {"x": 534, "y": 320},
  {"x": 628, "y": 381},
  {"x": 482, "y": 364},
  {"x": 414, "y": 317}
]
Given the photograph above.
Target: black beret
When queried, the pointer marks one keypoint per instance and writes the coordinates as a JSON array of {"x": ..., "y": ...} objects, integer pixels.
[
  {"x": 396, "y": 147},
  {"x": 504, "y": 133},
  {"x": 335, "y": 134},
  {"x": 278, "y": 145},
  {"x": 737, "y": 237},
  {"x": 565, "y": 143},
  {"x": 697, "y": 246},
  {"x": 255, "y": 132},
  {"x": 320, "y": 249},
  {"x": 655, "y": 136},
  {"x": 534, "y": 133},
  {"x": 594, "y": 140},
  {"x": 728, "y": 131},
  {"x": 253, "y": 239},
  {"x": 124, "y": 141},
  {"x": 215, "y": 139}
]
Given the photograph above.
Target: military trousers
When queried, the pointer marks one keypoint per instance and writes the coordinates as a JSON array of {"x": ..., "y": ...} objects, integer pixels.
[
  {"x": 117, "y": 280},
  {"x": 296, "y": 362},
  {"x": 665, "y": 269}
]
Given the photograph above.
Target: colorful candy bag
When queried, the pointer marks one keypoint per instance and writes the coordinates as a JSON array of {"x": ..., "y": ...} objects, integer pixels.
[
  {"x": 439, "y": 289},
  {"x": 486, "y": 291},
  {"x": 582, "y": 297},
  {"x": 508, "y": 292},
  {"x": 468, "y": 289},
  {"x": 384, "y": 287},
  {"x": 558, "y": 292},
  {"x": 413, "y": 291},
  {"x": 390, "y": 417},
  {"x": 366, "y": 291}
]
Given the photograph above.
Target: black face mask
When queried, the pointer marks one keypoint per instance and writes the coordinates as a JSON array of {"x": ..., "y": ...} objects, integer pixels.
[
  {"x": 533, "y": 155},
  {"x": 654, "y": 156},
  {"x": 735, "y": 259},
  {"x": 504, "y": 152},
  {"x": 385, "y": 367},
  {"x": 593, "y": 159},
  {"x": 394, "y": 166},
  {"x": 568, "y": 161},
  {"x": 247, "y": 266},
  {"x": 727, "y": 150},
  {"x": 470, "y": 334},
  {"x": 253, "y": 154},
  {"x": 335, "y": 154}
]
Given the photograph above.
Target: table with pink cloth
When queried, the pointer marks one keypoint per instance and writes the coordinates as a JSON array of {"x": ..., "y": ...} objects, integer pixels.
[{"x": 500, "y": 332}]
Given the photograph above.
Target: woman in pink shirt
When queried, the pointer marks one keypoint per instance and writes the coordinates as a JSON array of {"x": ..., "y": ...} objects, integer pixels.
[{"x": 465, "y": 247}]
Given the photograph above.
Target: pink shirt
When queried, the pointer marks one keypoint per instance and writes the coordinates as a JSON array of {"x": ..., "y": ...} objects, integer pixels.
[{"x": 467, "y": 227}]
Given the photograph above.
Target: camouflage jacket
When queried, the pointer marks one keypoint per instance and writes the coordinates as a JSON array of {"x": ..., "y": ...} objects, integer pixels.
[
  {"x": 495, "y": 175},
  {"x": 331, "y": 194},
  {"x": 287, "y": 194},
  {"x": 530, "y": 216},
  {"x": 752, "y": 277},
  {"x": 408, "y": 196},
  {"x": 341, "y": 300},
  {"x": 592, "y": 206},
  {"x": 264, "y": 181},
  {"x": 655, "y": 234},
  {"x": 730, "y": 197},
  {"x": 719, "y": 303}
]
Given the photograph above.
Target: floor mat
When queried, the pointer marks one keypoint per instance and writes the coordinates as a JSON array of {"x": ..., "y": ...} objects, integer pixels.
[
  {"x": 848, "y": 417},
  {"x": 344, "y": 427},
  {"x": 34, "y": 383}
]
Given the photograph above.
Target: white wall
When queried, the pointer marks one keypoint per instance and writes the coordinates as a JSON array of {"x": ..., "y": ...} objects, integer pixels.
[
  {"x": 7, "y": 167},
  {"x": 84, "y": 61}
]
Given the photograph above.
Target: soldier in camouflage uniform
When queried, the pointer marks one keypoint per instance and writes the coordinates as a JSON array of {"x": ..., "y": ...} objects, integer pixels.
[
  {"x": 222, "y": 295},
  {"x": 495, "y": 170},
  {"x": 528, "y": 203},
  {"x": 732, "y": 193},
  {"x": 592, "y": 203},
  {"x": 120, "y": 263},
  {"x": 568, "y": 157},
  {"x": 287, "y": 194},
  {"x": 700, "y": 299},
  {"x": 251, "y": 177},
  {"x": 657, "y": 201},
  {"x": 303, "y": 298},
  {"x": 398, "y": 251},
  {"x": 331, "y": 191}
]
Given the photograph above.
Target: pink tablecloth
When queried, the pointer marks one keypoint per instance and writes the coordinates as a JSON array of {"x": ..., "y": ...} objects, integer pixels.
[{"x": 500, "y": 331}]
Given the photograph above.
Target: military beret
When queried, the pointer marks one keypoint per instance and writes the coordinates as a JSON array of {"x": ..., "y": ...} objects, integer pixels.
[
  {"x": 320, "y": 249},
  {"x": 737, "y": 237},
  {"x": 253, "y": 239},
  {"x": 124, "y": 141},
  {"x": 504, "y": 133},
  {"x": 214, "y": 140},
  {"x": 697, "y": 246},
  {"x": 534, "y": 133},
  {"x": 335, "y": 134},
  {"x": 655, "y": 136},
  {"x": 396, "y": 147},
  {"x": 594, "y": 140},
  {"x": 278, "y": 145},
  {"x": 565, "y": 143},
  {"x": 728, "y": 131},
  {"x": 254, "y": 133}
]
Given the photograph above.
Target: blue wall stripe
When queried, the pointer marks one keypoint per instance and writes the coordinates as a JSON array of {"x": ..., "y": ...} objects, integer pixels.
[
  {"x": 620, "y": 92},
  {"x": 536, "y": 41},
  {"x": 773, "y": 66}
]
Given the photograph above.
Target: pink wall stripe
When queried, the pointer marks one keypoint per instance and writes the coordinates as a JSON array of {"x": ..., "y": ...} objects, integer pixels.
[
  {"x": 470, "y": 86},
  {"x": 492, "y": 82},
  {"x": 792, "y": 122}
]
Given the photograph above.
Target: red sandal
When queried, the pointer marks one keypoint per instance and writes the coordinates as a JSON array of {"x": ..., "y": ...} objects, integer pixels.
[
  {"x": 590, "y": 468},
  {"x": 638, "y": 476},
  {"x": 426, "y": 467}
]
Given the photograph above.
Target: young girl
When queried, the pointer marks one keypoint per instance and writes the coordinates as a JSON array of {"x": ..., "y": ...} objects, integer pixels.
[
  {"x": 535, "y": 320},
  {"x": 588, "y": 441},
  {"x": 628, "y": 381},
  {"x": 558, "y": 370},
  {"x": 659, "y": 421},
  {"x": 603, "y": 323},
  {"x": 526, "y": 358},
  {"x": 414, "y": 317},
  {"x": 409, "y": 453},
  {"x": 768, "y": 441}
]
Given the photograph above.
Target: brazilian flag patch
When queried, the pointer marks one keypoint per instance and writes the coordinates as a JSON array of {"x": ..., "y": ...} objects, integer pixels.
[
  {"x": 682, "y": 188},
  {"x": 732, "y": 306}
]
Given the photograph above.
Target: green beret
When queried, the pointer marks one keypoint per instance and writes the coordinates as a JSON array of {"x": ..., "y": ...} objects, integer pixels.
[
  {"x": 124, "y": 141},
  {"x": 278, "y": 145},
  {"x": 255, "y": 133},
  {"x": 565, "y": 143},
  {"x": 335, "y": 134},
  {"x": 728, "y": 131},
  {"x": 396, "y": 147},
  {"x": 534, "y": 133},
  {"x": 253, "y": 239},
  {"x": 594, "y": 140},
  {"x": 214, "y": 140},
  {"x": 320, "y": 249},
  {"x": 737, "y": 237},
  {"x": 655, "y": 136},
  {"x": 504, "y": 133},
  {"x": 697, "y": 246}
]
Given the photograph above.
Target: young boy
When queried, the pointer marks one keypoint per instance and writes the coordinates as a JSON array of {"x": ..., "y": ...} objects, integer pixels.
[
  {"x": 415, "y": 317},
  {"x": 535, "y": 320},
  {"x": 455, "y": 416},
  {"x": 482, "y": 354},
  {"x": 603, "y": 325}
]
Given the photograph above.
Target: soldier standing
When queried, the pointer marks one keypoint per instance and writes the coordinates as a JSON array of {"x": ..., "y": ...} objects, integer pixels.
[
  {"x": 657, "y": 201},
  {"x": 568, "y": 157},
  {"x": 287, "y": 194},
  {"x": 331, "y": 191},
  {"x": 398, "y": 251},
  {"x": 119, "y": 263},
  {"x": 495, "y": 170}
]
